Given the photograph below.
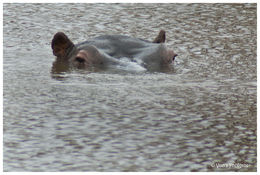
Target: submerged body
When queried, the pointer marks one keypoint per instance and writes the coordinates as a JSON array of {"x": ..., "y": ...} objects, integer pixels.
[{"x": 107, "y": 50}]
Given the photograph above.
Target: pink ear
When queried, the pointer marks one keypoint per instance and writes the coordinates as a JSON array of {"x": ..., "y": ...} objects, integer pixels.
[{"x": 60, "y": 44}]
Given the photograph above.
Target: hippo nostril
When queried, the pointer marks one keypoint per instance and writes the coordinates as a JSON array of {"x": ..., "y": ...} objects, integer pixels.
[{"x": 79, "y": 59}]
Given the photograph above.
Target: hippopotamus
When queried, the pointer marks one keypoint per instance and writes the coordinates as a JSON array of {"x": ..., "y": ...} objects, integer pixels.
[{"x": 107, "y": 50}]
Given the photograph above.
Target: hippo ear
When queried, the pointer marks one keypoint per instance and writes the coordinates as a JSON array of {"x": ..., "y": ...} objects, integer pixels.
[
  {"x": 160, "y": 38},
  {"x": 60, "y": 44}
]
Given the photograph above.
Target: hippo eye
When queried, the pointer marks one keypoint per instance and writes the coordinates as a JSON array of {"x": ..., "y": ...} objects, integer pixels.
[
  {"x": 79, "y": 59},
  {"x": 174, "y": 56}
]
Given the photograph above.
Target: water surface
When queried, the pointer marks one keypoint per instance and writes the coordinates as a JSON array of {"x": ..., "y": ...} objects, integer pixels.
[{"x": 193, "y": 118}]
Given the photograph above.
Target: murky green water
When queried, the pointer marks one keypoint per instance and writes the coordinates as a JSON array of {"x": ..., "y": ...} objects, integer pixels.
[{"x": 198, "y": 117}]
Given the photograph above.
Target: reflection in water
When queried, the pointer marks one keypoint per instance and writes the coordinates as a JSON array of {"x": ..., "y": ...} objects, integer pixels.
[
  {"x": 60, "y": 66},
  {"x": 197, "y": 116}
]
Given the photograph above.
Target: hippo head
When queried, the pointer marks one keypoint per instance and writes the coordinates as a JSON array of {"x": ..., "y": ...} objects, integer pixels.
[{"x": 111, "y": 50}]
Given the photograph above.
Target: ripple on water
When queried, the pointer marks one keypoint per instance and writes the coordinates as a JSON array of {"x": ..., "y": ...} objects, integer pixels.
[{"x": 203, "y": 112}]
